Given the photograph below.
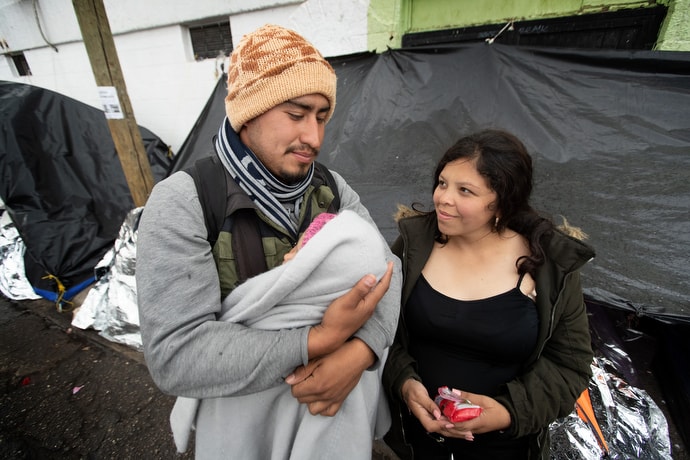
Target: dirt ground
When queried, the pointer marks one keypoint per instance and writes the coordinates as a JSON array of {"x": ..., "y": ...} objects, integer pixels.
[{"x": 70, "y": 394}]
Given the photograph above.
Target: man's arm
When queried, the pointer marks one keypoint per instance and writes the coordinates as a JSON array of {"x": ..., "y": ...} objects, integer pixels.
[
  {"x": 188, "y": 352},
  {"x": 325, "y": 383},
  {"x": 379, "y": 331}
]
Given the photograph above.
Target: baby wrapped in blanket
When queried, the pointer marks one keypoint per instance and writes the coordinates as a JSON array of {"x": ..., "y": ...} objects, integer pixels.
[{"x": 337, "y": 250}]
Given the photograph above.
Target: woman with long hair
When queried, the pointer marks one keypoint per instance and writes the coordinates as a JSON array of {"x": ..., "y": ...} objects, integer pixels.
[{"x": 492, "y": 308}]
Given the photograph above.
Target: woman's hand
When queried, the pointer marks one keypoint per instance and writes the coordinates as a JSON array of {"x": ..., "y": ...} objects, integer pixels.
[
  {"x": 423, "y": 407},
  {"x": 494, "y": 417}
]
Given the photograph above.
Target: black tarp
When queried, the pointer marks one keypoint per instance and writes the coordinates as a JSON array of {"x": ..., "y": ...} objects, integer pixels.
[
  {"x": 609, "y": 132},
  {"x": 63, "y": 184},
  {"x": 199, "y": 142}
]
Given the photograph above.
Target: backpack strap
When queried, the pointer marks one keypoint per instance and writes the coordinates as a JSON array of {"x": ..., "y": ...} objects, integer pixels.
[
  {"x": 210, "y": 177},
  {"x": 329, "y": 180},
  {"x": 247, "y": 245}
]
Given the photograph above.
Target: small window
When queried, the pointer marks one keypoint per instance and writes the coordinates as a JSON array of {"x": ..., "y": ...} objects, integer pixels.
[
  {"x": 21, "y": 64},
  {"x": 208, "y": 41}
]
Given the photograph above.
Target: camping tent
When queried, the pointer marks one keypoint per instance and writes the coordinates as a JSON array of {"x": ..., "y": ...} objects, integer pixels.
[{"x": 63, "y": 185}]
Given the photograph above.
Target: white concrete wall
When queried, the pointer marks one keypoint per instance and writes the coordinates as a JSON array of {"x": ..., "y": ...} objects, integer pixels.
[
  {"x": 166, "y": 86},
  {"x": 335, "y": 27}
]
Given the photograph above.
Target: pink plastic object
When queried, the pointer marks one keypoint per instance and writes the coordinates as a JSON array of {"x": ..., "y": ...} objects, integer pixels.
[{"x": 456, "y": 409}]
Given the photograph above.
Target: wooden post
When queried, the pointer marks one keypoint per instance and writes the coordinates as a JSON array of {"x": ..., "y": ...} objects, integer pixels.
[{"x": 105, "y": 64}]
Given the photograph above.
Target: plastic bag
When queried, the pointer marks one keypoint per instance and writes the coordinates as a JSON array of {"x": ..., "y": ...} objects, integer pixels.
[{"x": 455, "y": 408}]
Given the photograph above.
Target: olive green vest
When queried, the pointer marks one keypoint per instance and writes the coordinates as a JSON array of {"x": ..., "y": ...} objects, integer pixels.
[
  {"x": 239, "y": 233},
  {"x": 275, "y": 242}
]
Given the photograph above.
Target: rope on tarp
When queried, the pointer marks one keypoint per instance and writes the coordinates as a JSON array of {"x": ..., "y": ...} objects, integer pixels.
[
  {"x": 508, "y": 26},
  {"x": 62, "y": 296}
]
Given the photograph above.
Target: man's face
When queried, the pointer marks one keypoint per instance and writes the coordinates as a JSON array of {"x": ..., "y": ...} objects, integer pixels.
[{"x": 288, "y": 137}]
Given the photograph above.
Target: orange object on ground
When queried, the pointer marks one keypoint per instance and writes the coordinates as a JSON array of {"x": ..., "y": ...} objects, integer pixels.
[{"x": 585, "y": 411}]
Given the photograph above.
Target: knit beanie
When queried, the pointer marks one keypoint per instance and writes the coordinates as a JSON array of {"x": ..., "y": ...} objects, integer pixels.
[
  {"x": 316, "y": 225},
  {"x": 270, "y": 66}
]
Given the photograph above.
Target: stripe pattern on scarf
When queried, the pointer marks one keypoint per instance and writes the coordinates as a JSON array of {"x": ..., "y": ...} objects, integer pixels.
[{"x": 262, "y": 187}]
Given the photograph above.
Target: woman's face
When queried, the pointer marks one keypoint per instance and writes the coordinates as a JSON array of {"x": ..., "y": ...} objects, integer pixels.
[{"x": 464, "y": 201}]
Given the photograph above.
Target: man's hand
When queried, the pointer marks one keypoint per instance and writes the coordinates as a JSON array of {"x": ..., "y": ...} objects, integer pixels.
[
  {"x": 325, "y": 382},
  {"x": 346, "y": 314}
]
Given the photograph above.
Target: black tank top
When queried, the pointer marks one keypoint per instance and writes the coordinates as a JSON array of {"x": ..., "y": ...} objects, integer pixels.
[{"x": 474, "y": 345}]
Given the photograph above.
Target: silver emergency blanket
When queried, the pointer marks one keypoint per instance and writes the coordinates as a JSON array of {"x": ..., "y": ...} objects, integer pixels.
[
  {"x": 631, "y": 423},
  {"x": 110, "y": 306},
  {"x": 13, "y": 282}
]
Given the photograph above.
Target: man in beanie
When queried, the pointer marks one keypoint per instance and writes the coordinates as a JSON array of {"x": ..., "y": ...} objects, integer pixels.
[{"x": 281, "y": 94}]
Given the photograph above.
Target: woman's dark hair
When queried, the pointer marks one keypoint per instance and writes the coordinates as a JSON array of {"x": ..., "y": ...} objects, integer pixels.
[{"x": 502, "y": 159}]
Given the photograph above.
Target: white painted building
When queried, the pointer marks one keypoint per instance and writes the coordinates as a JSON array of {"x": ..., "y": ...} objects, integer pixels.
[{"x": 166, "y": 84}]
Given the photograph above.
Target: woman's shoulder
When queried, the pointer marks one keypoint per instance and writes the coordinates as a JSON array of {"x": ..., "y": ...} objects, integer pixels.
[
  {"x": 566, "y": 246},
  {"x": 411, "y": 219},
  {"x": 572, "y": 231},
  {"x": 405, "y": 212}
]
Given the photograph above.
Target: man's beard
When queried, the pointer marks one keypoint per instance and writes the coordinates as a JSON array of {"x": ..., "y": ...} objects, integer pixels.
[
  {"x": 293, "y": 178},
  {"x": 289, "y": 178}
]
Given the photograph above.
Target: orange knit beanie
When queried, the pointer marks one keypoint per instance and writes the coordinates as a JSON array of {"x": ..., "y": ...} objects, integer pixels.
[{"x": 270, "y": 66}]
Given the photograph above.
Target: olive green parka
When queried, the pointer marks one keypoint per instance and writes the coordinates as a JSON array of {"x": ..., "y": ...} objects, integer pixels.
[{"x": 557, "y": 371}]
